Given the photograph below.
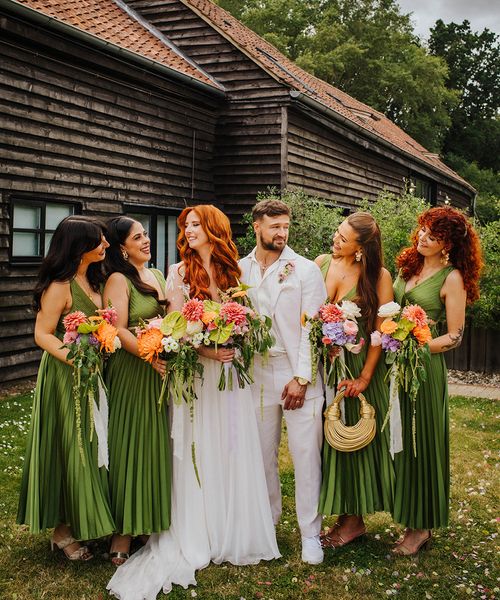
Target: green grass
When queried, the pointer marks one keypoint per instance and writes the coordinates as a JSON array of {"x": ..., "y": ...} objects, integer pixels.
[{"x": 460, "y": 564}]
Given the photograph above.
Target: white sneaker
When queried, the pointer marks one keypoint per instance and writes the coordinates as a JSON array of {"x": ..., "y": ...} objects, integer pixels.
[{"x": 312, "y": 552}]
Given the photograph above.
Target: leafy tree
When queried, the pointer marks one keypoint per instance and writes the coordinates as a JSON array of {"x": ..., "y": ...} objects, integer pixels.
[
  {"x": 366, "y": 48},
  {"x": 311, "y": 228},
  {"x": 473, "y": 61}
]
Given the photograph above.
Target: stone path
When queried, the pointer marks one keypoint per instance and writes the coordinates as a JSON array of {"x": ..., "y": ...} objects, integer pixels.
[{"x": 476, "y": 391}]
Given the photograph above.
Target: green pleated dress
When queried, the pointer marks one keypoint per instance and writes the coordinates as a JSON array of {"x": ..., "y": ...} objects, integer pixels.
[
  {"x": 360, "y": 482},
  {"x": 423, "y": 482},
  {"x": 56, "y": 487},
  {"x": 139, "y": 444}
]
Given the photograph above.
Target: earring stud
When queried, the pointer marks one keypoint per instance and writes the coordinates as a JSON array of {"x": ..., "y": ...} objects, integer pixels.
[{"x": 359, "y": 255}]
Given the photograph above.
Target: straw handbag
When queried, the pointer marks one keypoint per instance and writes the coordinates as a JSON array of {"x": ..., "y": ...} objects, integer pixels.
[{"x": 348, "y": 439}]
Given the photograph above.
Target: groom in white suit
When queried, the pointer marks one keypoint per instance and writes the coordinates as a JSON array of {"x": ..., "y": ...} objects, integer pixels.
[{"x": 283, "y": 286}]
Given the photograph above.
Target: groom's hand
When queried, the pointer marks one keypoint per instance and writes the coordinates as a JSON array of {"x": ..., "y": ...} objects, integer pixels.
[{"x": 293, "y": 395}]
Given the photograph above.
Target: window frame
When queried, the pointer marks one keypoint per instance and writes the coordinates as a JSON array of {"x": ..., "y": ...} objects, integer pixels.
[
  {"x": 416, "y": 178},
  {"x": 42, "y": 231}
]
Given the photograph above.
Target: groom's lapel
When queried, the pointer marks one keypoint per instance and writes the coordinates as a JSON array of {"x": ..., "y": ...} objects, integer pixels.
[{"x": 288, "y": 255}]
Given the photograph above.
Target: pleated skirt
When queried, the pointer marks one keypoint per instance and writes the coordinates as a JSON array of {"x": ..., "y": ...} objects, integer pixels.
[
  {"x": 56, "y": 486},
  {"x": 423, "y": 481},
  {"x": 139, "y": 447},
  {"x": 360, "y": 482}
]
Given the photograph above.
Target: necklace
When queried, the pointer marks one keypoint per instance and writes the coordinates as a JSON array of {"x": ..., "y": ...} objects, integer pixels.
[{"x": 85, "y": 287}]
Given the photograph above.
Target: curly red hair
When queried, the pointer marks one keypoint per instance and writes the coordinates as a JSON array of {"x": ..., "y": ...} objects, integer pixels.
[
  {"x": 223, "y": 250},
  {"x": 450, "y": 226}
]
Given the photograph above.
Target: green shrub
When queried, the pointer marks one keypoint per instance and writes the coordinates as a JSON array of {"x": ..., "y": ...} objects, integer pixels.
[{"x": 312, "y": 226}]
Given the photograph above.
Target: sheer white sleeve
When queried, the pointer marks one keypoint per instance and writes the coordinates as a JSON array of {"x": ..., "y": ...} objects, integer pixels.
[{"x": 177, "y": 291}]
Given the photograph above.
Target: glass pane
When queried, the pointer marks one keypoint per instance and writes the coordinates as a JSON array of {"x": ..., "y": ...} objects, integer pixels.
[
  {"x": 48, "y": 237},
  {"x": 25, "y": 244},
  {"x": 172, "y": 240},
  {"x": 160, "y": 242},
  {"x": 55, "y": 213},
  {"x": 143, "y": 219},
  {"x": 26, "y": 216}
]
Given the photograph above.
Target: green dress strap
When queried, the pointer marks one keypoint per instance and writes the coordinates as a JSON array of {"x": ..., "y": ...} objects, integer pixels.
[{"x": 325, "y": 265}]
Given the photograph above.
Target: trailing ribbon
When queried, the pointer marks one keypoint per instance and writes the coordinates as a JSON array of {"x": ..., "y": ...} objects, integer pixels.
[
  {"x": 177, "y": 430},
  {"x": 232, "y": 409},
  {"x": 101, "y": 425},
  {"x": 394, "y": 414}
]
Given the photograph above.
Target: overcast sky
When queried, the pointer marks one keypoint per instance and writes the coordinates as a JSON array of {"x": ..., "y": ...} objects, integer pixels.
[{"x": 480, "y": 13}]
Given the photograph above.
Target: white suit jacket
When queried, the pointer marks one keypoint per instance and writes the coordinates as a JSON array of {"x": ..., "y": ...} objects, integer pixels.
[{"x": 302, "y": 291}]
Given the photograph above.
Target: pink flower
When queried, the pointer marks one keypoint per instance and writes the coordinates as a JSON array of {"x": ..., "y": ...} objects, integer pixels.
[
  {"x": 154, "y": 323},
  {"x": 232, "y": 312},
  {"x": 376, "y": 338},
  {"x": 109, "y": 314},
  {"x": 211, "y": 326},
  {"x": 74, "y": 319},
  {"x": 350, "y": 327},
  {"x": 330, "y": 313},
  {"x": 326, "y": 340},
  {"x": 416, "y": 314},
  {"x": 193, "y": 310},
  {"x": 70, "y": 337},
  {"x": 356, "y": 348}
]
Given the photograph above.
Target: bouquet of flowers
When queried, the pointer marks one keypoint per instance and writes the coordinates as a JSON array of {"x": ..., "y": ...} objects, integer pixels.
[
  {"x": 171, "y": 339},
  {"x": 333, "y": 330},
  {"x": 232, "y": 322},
  {"x": 89, "y": 340},
  {"x": 403, "y": 335}
]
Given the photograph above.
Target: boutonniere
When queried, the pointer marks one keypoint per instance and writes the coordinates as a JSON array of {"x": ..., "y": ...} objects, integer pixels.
[{"x": 287, "y": 270}]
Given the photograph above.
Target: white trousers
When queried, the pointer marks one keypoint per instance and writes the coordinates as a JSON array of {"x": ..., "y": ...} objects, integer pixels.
[{"x": 305, "y": 436}]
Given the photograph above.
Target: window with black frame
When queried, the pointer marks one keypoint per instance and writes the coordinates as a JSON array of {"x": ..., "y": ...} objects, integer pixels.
[
  {"x": 423, "y": 188},
  {"x": 33, "y": 223},
  {"x": 162, "y": 229}
]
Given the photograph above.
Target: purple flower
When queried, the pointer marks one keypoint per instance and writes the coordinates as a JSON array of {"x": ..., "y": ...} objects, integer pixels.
[
  {"x": 335, "y": 332},
  {"x": 389, "y": 343},
  {"x": 93, "y": 341}
]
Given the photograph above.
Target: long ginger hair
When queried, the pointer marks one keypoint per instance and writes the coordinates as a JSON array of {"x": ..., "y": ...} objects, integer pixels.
[
  {"x": 223, "y": 251},
  {"x": 450, "y": 226},
  {"x": 368, "y": 236}
]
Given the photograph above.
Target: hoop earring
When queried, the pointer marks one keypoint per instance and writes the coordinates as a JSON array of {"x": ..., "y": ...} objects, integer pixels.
[
  {"x": 445, "y": 258},
  {"x": 359, "y": 255},
  {"x": 125, "y": 254}
]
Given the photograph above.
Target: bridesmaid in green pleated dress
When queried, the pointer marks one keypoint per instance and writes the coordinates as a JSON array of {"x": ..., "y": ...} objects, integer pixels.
[
  {"x": 361, "y": 482},
  {"x": 58, "y": 490},
  {"x": 139, "y": 448},
  {"x": 439, "y": 272}
]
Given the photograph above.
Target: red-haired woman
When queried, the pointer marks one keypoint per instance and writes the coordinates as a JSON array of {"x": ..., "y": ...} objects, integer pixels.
[
  {"x": 439, "y": 272},
  {"x": 228, "y": 516}
]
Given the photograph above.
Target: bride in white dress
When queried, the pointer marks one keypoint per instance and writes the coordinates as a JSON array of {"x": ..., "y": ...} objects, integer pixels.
[{"x": 228, "y": 517}]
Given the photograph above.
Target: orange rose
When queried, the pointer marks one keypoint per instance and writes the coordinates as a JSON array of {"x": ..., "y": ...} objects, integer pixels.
[
  {"x": 149, "y": 344},
  {"x": 389, "y": 326},
  {"x": 208, "y": 316},
  {"x": 106, "y": 335},
  {"x": 423, "y": 334}
]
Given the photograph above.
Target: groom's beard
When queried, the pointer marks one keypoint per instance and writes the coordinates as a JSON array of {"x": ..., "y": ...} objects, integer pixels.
[{"x": 276, "y": 243}]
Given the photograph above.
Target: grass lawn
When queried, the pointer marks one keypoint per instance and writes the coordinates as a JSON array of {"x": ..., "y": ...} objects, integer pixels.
[{"x": 460, "y": 563}]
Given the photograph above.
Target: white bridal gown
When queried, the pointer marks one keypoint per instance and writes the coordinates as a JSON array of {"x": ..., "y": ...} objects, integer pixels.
[{"x": 228, "y": 517}]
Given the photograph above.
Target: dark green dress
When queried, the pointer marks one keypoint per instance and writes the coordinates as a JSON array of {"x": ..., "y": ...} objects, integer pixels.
[
  {"x": 423, "y": 482},
  {"x": 360, "y": 482},
  {"x": 139, "y": 443},
  {"x": 56, "y": 487}
]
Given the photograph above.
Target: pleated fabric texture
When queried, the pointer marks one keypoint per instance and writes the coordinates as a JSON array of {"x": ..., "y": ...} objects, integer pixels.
[
  {"x": 423, "y": 481},
  {"x": 360, "y": 482},
  {"x": 139, "y": 445},
  {"x": 56, "y": 486},
  {"x": 225, "y": 517}
]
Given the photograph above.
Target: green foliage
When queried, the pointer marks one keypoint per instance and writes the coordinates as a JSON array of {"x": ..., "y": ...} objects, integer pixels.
[
  {"x": 397, "y": 218},
  {"x": 486, "y": 311},
  {"x": 473, "y": 61},
  {"x": 312, "y": 225},
  {"x": 366, "y": 48}
]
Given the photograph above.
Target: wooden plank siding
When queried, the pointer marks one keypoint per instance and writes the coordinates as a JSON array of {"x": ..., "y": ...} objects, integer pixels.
[
  {"x": 83, "y": 127},
  {"x": 249, "y": 139}
]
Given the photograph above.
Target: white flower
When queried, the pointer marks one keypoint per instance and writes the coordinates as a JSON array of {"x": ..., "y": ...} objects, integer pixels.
[
  {"x": 390, "y": 309},
  {"x": 194, "y": 327},
  {"x": 174, "y": 346},
  {"x": 350, "y": 310},
  {"x": 117, "y": 343}
]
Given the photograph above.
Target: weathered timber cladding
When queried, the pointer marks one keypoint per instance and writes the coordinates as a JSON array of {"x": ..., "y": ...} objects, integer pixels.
[
  {"x": 248, "y": 145},
  {"x": 79, "y": 126}
]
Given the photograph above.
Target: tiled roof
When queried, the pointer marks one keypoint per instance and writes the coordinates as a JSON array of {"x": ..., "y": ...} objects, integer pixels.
[
  {"x": 284, "y": 70},
  {"x": 106, "y": 20}
]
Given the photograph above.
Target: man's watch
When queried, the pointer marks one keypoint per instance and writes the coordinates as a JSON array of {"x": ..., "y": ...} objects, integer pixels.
[{"x": 301, "y": 380}]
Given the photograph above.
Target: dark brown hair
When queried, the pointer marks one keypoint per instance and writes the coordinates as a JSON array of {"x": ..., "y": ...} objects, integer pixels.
[{"x": 271, "y": 208}]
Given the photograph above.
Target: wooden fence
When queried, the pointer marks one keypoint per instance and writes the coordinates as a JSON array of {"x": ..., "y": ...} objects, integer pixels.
[{"x": 479, "y": 351}]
